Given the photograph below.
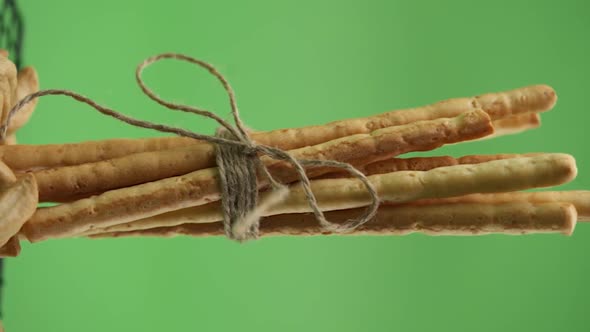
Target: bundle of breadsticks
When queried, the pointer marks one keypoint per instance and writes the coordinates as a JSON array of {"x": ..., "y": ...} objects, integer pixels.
[{"x": 169, "y": 186}]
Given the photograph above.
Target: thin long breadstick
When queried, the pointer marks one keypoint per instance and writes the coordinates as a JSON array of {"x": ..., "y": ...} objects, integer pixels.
[
  {"x": 38, "y": 157},
  {"x": 446, "y": 219},
  {"x": 211, "y": 212},
  {"x": 200, "y": 187},
  {"x": 35, "y": 157},
  {"x": 422, "y": 163},
  {"x": 405, "y": 164},
  {"x": 338, "y": 194},
  {"x": 515, "y": 124},
  {"x": 66, "y": 183},
  {"x": 579, "y": 198},
  {"x": 538, "y": 98},
  {"x": 494, "y": 176}
]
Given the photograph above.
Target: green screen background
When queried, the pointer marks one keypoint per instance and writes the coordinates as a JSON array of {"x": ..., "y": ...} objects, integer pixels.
[{"x": 296, "y": 63}]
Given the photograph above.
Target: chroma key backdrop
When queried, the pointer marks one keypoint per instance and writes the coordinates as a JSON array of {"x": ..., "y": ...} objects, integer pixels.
[{"x": 292, "y": 64}]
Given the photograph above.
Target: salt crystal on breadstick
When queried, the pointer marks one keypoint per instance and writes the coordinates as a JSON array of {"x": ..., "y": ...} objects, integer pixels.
[
  {"x": 65, "y": 183},
  {"x": 402, "y": 186},
  {"x": 537, "y": 98},
  {"x": 444, "y": 219}
]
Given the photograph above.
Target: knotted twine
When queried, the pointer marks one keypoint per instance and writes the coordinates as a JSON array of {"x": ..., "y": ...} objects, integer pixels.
[{"x": 238, "y": 158}]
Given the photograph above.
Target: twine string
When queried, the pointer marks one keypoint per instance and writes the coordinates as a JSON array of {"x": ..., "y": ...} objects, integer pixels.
[{"x": 238, "y": 157}]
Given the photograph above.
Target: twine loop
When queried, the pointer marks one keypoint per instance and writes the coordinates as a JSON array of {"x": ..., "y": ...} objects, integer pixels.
[{"x": 241, "y": 171}]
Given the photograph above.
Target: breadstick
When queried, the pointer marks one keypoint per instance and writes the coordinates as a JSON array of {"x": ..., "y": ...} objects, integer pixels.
[
  {"x": 34, "y": 157},
  {"x": 538, "y": 98},
  {"x": 446, "y": 219},
  {"x": 111, "y": 209},
  {"x": 403, "y": 186},
  {"x": 200, "y": 187},
  {"x": 18, "y": 202},
  {"x": 579, "y": 198},
  {"x": 73, "y": 182},
  {"x": 476, "y": 159},
  {"x": 515, "y": 124},
  {"x": 211, "y": 212},
  {"x": 64, "y": 183},
  {"x": 410, "y": 164},
  {"x": 27, "y": 83},
  {"x": 422, "y": 164}
]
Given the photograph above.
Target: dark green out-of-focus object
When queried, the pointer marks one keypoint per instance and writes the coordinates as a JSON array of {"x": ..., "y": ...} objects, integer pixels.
[{"x": 296, "y": 63}]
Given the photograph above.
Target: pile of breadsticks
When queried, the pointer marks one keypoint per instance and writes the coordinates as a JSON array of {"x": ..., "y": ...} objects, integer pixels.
[{"x": 169, "y": 186}]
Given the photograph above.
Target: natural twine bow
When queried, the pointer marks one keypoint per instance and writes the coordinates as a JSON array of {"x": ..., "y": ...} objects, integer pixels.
[{"x": 238, "y": 158}]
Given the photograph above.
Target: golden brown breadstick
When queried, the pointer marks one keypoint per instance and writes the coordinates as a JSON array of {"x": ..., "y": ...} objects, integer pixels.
[
  {"x": 478, "y": 158},
  {"x": 18, "y": 202},
  {"x": 515, "y": 124},
  {"x": 538, "y": 98},
  {"x": 27, "y": 83},
  {"x": 34, "y": 157},
  {"x": 422, "y": 164},
  {"x": 73, "y": 182},
  {"x": 403, "y": 164},
  {"x": 212, "y": 213},
  {"x": 152, "y": 199},
  {"x": 200, "y": 187},
  {"x": 64, "y": 183},
  {"x": 579, "y": 198},
  {"x": 446, "y": 219}
]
